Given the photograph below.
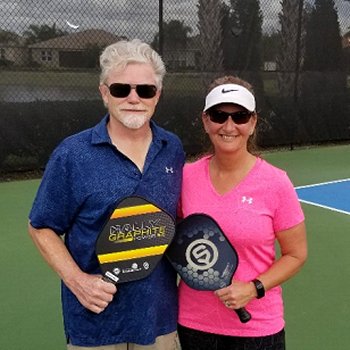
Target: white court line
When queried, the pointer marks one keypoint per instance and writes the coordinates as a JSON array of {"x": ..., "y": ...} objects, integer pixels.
[
  {"x": 324, "y": 206},
  {"x": 320, "y": 205},
  {"x": 323, "y": 183}
]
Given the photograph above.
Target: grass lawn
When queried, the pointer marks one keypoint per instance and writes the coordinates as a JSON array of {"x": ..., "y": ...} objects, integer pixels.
[{"x": 174, "y": 83}]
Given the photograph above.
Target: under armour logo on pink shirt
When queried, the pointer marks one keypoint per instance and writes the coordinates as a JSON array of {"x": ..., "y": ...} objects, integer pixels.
[{"x": 248, "y": 200}]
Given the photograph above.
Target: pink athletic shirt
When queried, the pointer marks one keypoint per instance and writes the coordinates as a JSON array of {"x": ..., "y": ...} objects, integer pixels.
[{"x": 263, "y": 203}]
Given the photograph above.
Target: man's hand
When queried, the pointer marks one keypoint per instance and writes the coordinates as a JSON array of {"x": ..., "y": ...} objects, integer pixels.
[{"x": 93, "y": 292}]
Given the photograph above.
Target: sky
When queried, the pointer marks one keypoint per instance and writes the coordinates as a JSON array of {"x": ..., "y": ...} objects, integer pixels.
[{"x": 131, "y": 18}]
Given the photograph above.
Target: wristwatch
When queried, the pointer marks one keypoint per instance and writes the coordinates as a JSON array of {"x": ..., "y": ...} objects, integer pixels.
[{"x": 260, "y": 290}]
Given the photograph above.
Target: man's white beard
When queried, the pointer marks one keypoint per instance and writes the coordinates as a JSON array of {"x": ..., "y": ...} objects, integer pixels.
[{"x": 132, "y": 121}]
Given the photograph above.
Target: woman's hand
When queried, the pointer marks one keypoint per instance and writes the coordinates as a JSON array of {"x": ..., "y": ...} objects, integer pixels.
[{"x": 237, "y": 295}]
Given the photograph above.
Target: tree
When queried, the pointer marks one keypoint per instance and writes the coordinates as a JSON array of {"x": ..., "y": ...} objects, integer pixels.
[
  {"x": 290, "y": 42},
  {"x": 243, "y": 43},
  {"x": 323, "y": 50},
  {"x": 210, "y": 35},
  {"x": 175, "y": 34},
  {"x": 44, "y": 32},
  {"x": 231, "y": 32},
  {"x": 7, "y": 36},
  {"x": 324, "y": 92},
  {"x": 246, "y": 21}
]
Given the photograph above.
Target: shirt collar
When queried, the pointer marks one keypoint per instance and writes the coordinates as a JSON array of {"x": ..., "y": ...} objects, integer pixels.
[{"x": 100, "y": 133}]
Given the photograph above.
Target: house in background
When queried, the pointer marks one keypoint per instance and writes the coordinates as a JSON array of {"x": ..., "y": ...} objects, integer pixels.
[
  {"x": 270, "y": 66},
  {"x": 184, "y": 57},
  {"x": 180, "y": 59},
  {"x": 77, "y": 50}
]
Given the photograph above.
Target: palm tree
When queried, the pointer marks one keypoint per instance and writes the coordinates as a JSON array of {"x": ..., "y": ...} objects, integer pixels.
[
  {"x": 291, "y": 46},
  {"x": 211, "y": 37}
]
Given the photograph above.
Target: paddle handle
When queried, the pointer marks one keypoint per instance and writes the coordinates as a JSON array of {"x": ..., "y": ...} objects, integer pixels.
[
  {"x": 107, "y": 279},
  {"x": 243, "y": 314}
]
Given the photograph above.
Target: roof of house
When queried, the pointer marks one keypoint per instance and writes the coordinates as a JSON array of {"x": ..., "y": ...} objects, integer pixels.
[{"x": 79, "y": 40}]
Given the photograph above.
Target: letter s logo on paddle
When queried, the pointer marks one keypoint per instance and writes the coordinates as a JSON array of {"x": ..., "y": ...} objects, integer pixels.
[{"x": 201, "y": 254}]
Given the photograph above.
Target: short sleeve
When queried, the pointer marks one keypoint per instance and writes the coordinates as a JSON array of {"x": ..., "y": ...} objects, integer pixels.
[
  {"x": 288, "y": 212},
  {"x": 54, "y": 205}
]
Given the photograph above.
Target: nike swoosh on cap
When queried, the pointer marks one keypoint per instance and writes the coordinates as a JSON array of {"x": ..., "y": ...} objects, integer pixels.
[{"x": 225, "y": 91}]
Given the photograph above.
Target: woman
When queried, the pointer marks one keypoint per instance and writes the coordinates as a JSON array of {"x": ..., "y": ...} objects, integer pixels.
[{"x": 255, "y": 204}]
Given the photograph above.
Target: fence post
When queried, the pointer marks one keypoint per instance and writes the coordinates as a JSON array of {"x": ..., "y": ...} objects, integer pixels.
[
  {"x": 160, "y": 24},
  {"x": 298, "y": 50}
]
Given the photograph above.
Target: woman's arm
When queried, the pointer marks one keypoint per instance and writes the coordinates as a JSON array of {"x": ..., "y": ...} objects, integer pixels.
[{"x": 293, "y": 245}]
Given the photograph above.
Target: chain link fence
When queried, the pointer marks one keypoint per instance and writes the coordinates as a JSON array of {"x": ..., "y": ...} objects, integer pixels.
[{"x": 295, "y": 53}]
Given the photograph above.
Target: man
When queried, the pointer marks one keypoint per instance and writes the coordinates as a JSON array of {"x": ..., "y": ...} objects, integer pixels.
[{"x": 125, "y": 154}]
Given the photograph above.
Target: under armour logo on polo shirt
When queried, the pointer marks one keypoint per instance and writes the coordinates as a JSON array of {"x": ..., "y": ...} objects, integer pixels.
[{"x": 169, "y": 170}]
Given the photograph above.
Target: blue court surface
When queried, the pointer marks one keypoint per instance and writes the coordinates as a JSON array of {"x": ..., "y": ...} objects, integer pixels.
[{"x": 334, "y": 195}]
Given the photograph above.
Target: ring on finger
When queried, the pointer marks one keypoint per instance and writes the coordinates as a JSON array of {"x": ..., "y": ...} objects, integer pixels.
[{"x": 227, "y": 303}]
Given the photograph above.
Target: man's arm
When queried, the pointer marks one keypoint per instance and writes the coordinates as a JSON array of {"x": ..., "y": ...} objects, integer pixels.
[{"x": 91, "y": 291}]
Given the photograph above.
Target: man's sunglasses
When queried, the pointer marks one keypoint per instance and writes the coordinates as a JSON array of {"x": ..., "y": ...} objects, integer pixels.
[
  {"x": 123, "y": 90},
  {"x": 220, "y": 117}
]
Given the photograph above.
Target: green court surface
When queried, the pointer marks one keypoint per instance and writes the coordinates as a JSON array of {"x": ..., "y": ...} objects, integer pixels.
[{"x": 317, "y": 302}]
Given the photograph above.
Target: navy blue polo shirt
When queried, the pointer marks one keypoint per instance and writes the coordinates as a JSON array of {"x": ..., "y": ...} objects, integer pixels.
[{"x": 84, "y": 178}]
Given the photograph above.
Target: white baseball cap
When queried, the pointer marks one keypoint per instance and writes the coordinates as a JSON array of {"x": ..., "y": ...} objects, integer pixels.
[{"x": 230, "y": 93}]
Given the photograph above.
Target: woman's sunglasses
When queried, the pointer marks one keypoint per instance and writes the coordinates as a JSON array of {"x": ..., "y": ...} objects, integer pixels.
[
  {"x": 123, "y": 90},
  {"x": 220, "y": 117}
]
